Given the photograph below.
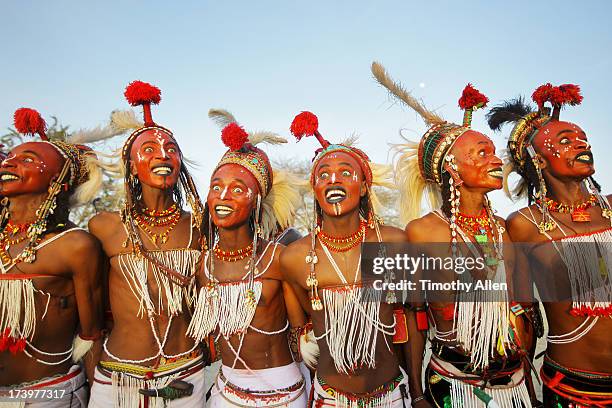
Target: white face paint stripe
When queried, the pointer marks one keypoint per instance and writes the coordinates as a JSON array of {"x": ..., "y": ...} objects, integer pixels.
[
  {"x": 249, "y": 193},
  {"x": 588, "y": 145},
  {"x": 354, "y": 176},
  {"x": 223, "y": 193},
  {"x": 333, "y": 177},
  {"x": 158, "y": 135}
]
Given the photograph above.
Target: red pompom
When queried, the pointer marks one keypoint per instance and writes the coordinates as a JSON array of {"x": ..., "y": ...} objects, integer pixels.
[
  {"x": 29, "y": 122},
  {"x": 140, "y": 93},
  {"x": 543, "y": 94},
  {"x": 234, "y": 136},
  {"x": 570, "y": 94},
  {"x": 472, "y": 98},
  {"x": 557, "y": 95},
  {"x": 304, "y": 124}
]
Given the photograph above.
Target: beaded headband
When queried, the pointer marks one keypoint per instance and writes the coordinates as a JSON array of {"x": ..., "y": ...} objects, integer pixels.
[
  {"x": 307, "y": 124},
  {"x": 354, "y": 152},
  {"x": 244, "y": 154},
  {"x": 434, "y": 146},
  {"x": 440, "y": 138}
]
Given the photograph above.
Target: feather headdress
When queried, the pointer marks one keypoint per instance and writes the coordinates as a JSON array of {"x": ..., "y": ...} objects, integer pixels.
[
  {"x": 280, "y": 195},
  {"x": 419, "y": 166},
  {"x": 527, "y": 122}
]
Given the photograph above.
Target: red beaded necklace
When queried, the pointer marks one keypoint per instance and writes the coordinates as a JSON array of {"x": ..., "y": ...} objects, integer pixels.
[
  {"x": 343, "y": 244},
  {"x": 578, "y": 212}
]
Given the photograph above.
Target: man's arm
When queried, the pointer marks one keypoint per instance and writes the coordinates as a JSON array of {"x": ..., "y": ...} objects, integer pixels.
[{"x": 86, "y": 262}]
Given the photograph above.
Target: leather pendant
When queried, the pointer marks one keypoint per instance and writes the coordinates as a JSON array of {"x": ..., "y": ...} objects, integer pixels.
[{"x": 581, "y": 216}]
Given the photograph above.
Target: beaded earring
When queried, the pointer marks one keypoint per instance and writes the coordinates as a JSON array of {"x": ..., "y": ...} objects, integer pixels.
[
  {"x": 547, "y": 223},
  {"x": 312, "y": 259}
]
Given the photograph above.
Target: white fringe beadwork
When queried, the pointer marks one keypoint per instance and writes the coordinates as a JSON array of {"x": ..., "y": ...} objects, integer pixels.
[
  {"x": 135, "y": 269},
  {"x": 225, "y": 305},
  {"x": 17, "y": 300},
  {"x": 352, "y": 323}
]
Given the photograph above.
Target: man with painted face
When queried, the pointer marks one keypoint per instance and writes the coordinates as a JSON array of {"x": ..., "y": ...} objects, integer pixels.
[
  {"x": 569, "y": 226},
  {"x": 51, "y": 272},
  {"x": 353, "y": 327},
  {"x": 153, "y": 248},
  {"x": 476, "y": 356},
  {"x": 242, "y": 300}
]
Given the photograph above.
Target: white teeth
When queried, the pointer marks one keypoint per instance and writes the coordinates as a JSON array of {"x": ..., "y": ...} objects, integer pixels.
[
  {"x": 162, "y": 171},
  {"x": 583, "y": 157},
  {"x": 223, "y": 210},
  {"x": 335, "y": 192},
  {"x": 7, "y": 177},
  {"x": 496, "y": 173}
]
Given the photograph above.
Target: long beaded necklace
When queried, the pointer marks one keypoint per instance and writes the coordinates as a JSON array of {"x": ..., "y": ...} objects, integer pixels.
[
  {"x": 7, "y": 239},
  {"x": 578, "y": 212},
  {"x": 147, "y": 219},
  {"x": 343, "y": 244},
  {"x": 233, "y": 255}
]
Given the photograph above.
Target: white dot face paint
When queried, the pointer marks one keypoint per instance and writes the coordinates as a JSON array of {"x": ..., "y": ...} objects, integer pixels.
[{"x": 249, "y": 193}]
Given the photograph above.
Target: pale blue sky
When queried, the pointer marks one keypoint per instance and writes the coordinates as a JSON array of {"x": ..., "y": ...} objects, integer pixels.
[{"x": 267, "y": 60}]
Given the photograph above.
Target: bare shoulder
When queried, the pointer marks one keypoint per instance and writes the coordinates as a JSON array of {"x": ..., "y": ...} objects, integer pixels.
[
  {"x": 104, "y": 224},
  {"x": 429, "y": 228},
  {"x": 519, "y": 227},
  {"x": 80, "y": 242},
  {"x": 294, "y": 253},
  {"x": 392, "y": 234}
]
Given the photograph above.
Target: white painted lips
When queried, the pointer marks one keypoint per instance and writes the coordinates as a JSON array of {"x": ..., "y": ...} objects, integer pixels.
[
  {"x": 223, "y": 210},
  {"x": 162, "y": 170},
  {"x": 335, "y": 195},
  {"x": 8, "y": 177}
]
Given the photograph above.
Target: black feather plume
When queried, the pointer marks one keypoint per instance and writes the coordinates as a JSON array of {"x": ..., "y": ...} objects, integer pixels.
[{"x": 507, "y": 112}]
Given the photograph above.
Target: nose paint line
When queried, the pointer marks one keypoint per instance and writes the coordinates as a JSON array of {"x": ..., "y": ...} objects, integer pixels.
[
  {"x": 223, "y": 193},
  {"x": 333, "y": 177},
  {"x": 586, "y": 143}
]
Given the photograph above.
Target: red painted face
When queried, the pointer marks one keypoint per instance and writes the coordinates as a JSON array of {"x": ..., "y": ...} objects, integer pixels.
[
  {"x": 232, "y": 196},
  {"x": 339, "y": 183},
  {"x": 565, "y": 150},
  {"x": 29, "y": 169},
  {"x": 156, "y": 159},
  {"x": 476, "y": 161}
]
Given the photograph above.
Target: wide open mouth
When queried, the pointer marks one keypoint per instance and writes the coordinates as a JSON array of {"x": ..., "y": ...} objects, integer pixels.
[{"x": 334, "y": 195}]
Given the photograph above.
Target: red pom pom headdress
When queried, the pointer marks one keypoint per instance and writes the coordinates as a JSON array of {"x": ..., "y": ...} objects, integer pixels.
[
  {"x": 29, "y": 122},
  {"x": 526, "y": 128},
  {"x": 139, "y": 93},
  {"x": 279, "y": 196},
  {"x": 307, "y": 124},
  {"x": 471, "y": 99},
  {"x": 242, "y": 150}
]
